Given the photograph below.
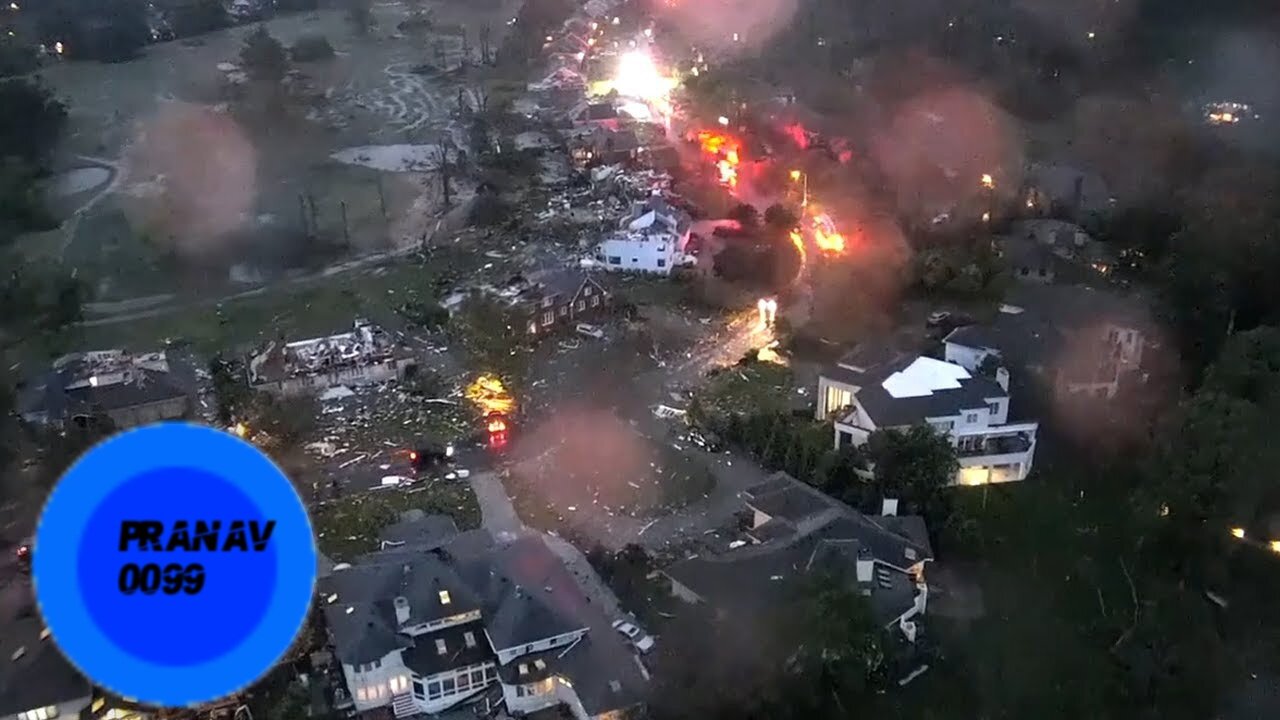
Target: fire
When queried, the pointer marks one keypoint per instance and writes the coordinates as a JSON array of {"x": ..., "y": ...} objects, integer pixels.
[
  {"x": 798, "y": 240},
  {"x": 798, "y": 134},
  {"x": 825, "y": 234},
  {"x": 497, "y": 425},
  {"x": 638, "y": 77},
  {"x": 726, "y": 151},
  {"x": 490, "y": 395}
]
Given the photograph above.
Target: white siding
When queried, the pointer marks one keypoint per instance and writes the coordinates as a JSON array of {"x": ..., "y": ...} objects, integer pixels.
[
  {"x": 657, "y": 254},
  {"x": 966, "y": 357},
  {"x": 371, "y": 686}
]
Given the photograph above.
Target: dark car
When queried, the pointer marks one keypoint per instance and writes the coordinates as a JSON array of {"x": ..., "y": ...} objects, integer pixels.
[{"x": 431, "y": 456}]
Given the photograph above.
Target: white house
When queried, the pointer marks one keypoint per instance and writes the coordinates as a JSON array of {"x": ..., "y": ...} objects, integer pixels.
[
  {"x": 973, "y": 410},
  {"x": 651, "y": 239},
  {"x": 426, "y": 627}
]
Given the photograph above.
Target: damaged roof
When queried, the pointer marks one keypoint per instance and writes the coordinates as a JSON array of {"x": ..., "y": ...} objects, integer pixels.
[
  {"x": 911, "y": 389},
  {"x": 103, "y": 380}
]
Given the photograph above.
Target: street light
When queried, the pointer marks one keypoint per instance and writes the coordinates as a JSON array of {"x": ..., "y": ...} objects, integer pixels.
[
  {"x": 1237, "y": 533},
  {"x": 988, "y": 182},
  {"x": 768, "y": 308},
  {"x": 1274, "y": 545}
]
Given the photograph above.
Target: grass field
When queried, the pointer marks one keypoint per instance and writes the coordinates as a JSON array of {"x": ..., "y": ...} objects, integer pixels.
[
  {"x": 348, "y": 527},
  {"x": 304, "y": 309}
]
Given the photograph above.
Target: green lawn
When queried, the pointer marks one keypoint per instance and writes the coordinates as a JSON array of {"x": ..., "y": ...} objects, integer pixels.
[
  {"x": 348, "y": 527},
  {"x": 304, "y": 309},
  {"x": 748, "y": 389}
]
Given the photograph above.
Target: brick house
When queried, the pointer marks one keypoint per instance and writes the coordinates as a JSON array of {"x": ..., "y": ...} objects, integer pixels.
[{"x": 557, "y": 299}]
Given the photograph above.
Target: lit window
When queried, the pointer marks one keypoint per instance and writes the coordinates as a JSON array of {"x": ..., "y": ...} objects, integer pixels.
[
  {"x": 524, "y": 669},
  {"x": 444, "y": 597},
  {"x": 586, "y": 290},
  {"x": 539, "y": 664},
  {"x": 362, "y": 694},
  {"x": 469, "y": 638},
  {"x": 440, "y": 646}
]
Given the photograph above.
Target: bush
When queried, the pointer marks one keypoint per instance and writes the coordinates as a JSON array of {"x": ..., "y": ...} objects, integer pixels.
[{"x": 311, "y": 48}]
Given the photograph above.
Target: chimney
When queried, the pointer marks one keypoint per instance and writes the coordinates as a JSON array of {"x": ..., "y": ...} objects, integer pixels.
[
  {"x": 402, "y": 610},
  {"x": 866, "y": 569},
  {"x": 889, "y": 507},
  {"x": 1002, "y": 377}
]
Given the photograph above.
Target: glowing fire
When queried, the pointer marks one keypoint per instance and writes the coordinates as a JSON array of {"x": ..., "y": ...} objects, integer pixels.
[
  {"x": 798, "y": 241},
  {"x": 825, "y": 234},
  {"x": 638, "y": 77},
  {"x": 497, "y": 425},
  {"x": 490, "y": 395},
  {"x": 798, "y": 135},
  {"x": 726, "y": 151}
]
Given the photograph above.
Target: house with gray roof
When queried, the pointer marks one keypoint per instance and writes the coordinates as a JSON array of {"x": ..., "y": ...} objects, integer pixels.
[
  {"x": 130, "y": 389},
  {"x": 430, "y": 623},
  {"x": 557, "y": 298},
  {"x": 1080, "y": 340},
  {"x": 795, "y": 531},
  {"x": 864, "y": 393}
]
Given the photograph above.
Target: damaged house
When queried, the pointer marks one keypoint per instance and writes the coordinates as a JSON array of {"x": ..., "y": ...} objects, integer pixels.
[
  {"x": 366, "y": 355},
  {"x": 130, "y": 389},
  {"x": 651, "y": 239},
  {"x": 458, "y": 619},
  {"x": 604, "y": 146}
]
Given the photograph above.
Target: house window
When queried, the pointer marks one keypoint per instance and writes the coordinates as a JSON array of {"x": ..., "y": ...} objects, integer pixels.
[
  {"x": 548, "y": 317},
  {"x": 540, "y": 664},
  {"x": 845, "y": 438},
  {"x": 615, "y": 260},
  {"x": 523, "y": 669},
  {"x": 362, "y": 695},
  {"x": 546, "y": 302},
  {"x": 469, "y": 638},
  {"x": 586, "y": 289},
  {"x": 971, "y": 418},
  {"x": 444, "y": 597},
  {"x": 490, "y": 672},
  {"x": 519, "y": 691},
  {"x": 528, "y": 648},
  {"x": 433, "y": 690},
  {"x": 418, "y": 690},
  {"x": 464, "y": 682},
  {"x": 399, "y": 684},
  {"x": 994, "y": 407},
  {"x": 595, "y": 301},
  {"x": 44, "y": 713},
  {"x": 477, "y": 677},
  {"x": 440, "y": 646},
  {"x": 635, "y": 260},
  {"x": 581, "y": 305},
  {"x": 662, "y": 263},
  {"x": 533, "y": 328},
  {"x": 448, "y": 685},
  {"x": 564, "y": 310}
]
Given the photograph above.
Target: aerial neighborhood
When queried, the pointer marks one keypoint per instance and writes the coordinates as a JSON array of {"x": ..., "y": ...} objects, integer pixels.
[{"x": 668, "y": 359}]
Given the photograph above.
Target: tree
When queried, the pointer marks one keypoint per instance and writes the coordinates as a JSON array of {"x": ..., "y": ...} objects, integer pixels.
[
  {"x": 915, "y": 465},
  {"x": 311, "y": 48},
  {"x": 31, "y": 120},
  {"x": 38, "y": 299},
  {"x": 109, "y": 30},
  {"x": 746, "y": 215},
  {"x": 263, "y": 57},
  {"x": 196, "y": 17},
  {"x": 840, "y": 652},
  {"x": 17, "y": 57},
  {"x": 780, "y": 218},
  {"x": 286, "y": 419},
  {"x": 360, "y": 15}
]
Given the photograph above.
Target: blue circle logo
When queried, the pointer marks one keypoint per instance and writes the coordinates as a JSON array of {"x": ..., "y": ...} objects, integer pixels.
[{"x": 174, "y": 564}]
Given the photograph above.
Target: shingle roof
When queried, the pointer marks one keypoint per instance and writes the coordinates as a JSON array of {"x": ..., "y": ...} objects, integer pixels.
[
  {"x": 39, "y": 676},
  {"x": 750, "y": 579},
  {"x": 425, "y": 657},
  {"x": 885, "y": 410},
  {"x": 362, "y": 617}
]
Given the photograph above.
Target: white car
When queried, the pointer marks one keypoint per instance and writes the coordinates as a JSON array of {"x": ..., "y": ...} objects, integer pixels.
[
  {"x": 634, "y": 635},
  {"x": 396, "y": 481},
  {"x": 590, "y": 331}
]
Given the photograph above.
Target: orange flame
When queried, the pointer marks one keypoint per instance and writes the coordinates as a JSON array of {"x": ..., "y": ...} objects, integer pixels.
[
  {"x": 826, "y": 236},
  {"x": 726, "y": 151}
]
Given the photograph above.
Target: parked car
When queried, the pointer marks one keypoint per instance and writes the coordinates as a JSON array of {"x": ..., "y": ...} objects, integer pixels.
[
  {"x": 590, "y": 331},
  {"x": 638, "y": 638}
]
